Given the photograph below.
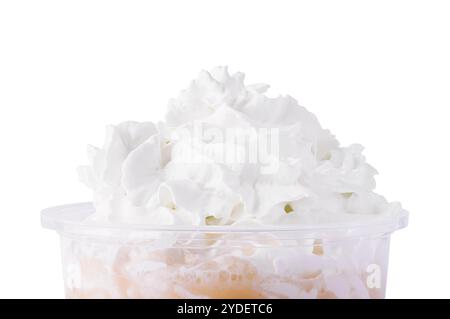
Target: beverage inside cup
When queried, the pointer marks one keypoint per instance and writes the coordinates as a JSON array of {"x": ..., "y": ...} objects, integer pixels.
[
  {"x": 235, "y": 195},
  {"x": 331, "y": 261}
]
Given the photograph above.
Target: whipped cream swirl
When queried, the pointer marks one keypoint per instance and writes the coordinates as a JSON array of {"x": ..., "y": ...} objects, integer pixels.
[{"x": 141, "y": 174}]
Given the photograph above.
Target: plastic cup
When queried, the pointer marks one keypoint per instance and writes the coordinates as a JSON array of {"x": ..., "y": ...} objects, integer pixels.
[{"x": 335, "y": 260}]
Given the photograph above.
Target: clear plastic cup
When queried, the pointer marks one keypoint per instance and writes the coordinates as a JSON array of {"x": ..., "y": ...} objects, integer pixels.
[{"x": 336, "y": 260}]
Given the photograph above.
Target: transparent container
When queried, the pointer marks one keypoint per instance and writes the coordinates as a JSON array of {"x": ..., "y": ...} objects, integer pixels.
[{"x": 336, "y": 260}]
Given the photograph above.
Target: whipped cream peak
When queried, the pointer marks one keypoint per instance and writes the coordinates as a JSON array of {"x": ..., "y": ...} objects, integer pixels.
[{"x": 227, "y": 154}]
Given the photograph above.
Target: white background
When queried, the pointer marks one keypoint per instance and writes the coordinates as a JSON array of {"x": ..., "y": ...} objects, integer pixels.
[{"x": 374, "y": 72}]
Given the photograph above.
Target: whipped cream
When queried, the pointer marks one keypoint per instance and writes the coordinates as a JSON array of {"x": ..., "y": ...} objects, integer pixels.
[{"x": 168, "y": 174}]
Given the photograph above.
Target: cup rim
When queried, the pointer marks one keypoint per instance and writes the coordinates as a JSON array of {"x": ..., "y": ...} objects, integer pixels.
[{"x": 71, "y": 216}]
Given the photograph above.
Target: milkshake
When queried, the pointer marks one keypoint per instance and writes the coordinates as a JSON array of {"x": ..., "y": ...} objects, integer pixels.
[{"x": 235, "y": 195}]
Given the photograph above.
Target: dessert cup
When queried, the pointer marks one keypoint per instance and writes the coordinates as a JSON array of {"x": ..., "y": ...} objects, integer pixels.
[{"x": 333, "y": 260}]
